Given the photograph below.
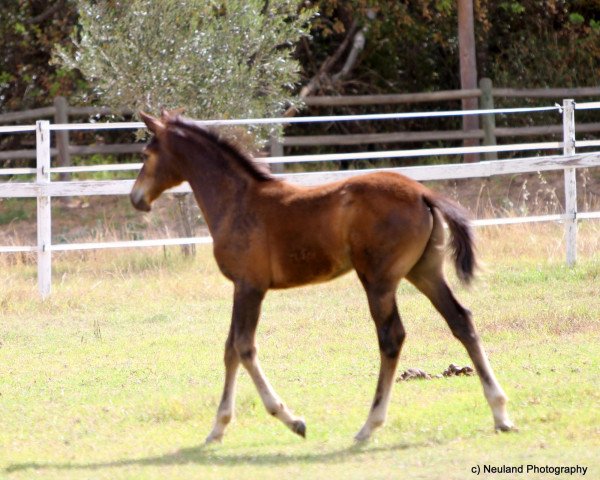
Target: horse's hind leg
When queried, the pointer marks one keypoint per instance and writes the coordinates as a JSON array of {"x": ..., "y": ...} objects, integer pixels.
[
  {"x": 390, "y": 335},
  {"x": 434, "y": 286}
]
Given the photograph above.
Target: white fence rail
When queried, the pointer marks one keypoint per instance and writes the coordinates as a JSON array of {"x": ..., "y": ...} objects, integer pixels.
[{"x": 43, "y": 188}]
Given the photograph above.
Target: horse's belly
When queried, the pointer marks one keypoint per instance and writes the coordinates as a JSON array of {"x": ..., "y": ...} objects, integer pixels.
[{"x": 303, "y": 265}]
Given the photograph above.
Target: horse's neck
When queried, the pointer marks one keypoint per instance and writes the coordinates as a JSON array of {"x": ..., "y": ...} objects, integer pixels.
[{"x": 218, "y": 185}]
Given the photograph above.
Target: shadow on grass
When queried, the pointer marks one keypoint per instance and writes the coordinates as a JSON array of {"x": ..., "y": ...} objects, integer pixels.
[{"x": 205, "y": 455}]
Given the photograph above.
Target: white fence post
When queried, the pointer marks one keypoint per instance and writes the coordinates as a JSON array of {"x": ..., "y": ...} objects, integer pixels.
[
  {"x": 570, "y": 182},
  {"x": 44, "y": 218},
  {"x": 276, "y": 151}
]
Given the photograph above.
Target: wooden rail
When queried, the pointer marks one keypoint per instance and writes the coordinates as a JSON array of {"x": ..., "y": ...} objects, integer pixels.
[
  {"x": 61, "y": 112},
  {"x": 447, "y": 95}
]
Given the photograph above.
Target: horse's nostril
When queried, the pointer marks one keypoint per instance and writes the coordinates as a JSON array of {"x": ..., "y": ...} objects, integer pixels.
[
  {"x": 143, "y": 206},
  {"x": 135, "y": 196}
]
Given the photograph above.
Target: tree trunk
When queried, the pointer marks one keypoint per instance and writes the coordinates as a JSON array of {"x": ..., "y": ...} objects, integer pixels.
[{"x": 468, "y": 70}]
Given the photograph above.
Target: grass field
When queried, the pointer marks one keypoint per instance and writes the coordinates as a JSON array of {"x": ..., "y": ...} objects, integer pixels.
[{"x": 119, "y": 373}]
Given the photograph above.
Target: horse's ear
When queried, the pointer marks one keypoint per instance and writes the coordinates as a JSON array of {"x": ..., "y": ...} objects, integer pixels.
[
  {"x": 168, "y": 114},
  {"x": 153, "y": 124}
]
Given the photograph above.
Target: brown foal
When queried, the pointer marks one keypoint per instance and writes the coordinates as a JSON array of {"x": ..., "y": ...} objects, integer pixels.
[{"x": 268, "y": 233}]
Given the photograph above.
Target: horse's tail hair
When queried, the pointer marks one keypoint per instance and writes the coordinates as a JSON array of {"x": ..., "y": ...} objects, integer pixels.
[{"x": 462, "y": 241}]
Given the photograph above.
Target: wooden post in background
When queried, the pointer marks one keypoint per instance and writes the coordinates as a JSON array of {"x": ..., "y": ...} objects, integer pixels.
[
  {"x": 61, "y": 115},
  {"x": 488, "y": 121},
  {"x": 44, "y": 215},
  {"x": 570, "y": 182},
  {"x": 186, "y": 222},
  {"x": 468, "y": 70}
]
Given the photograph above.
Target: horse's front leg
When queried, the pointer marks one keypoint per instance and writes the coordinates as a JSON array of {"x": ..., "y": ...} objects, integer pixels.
[
  {"x": 226, "y": 407},
  {"x": 246, "y": 312}
]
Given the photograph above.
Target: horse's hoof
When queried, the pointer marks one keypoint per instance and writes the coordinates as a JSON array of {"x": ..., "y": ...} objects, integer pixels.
[
  {"x": 212, "y": 438},
  {"x": 299, "y": 428},
  {"x": 362, "y": 437},
  {"x": 506, "y": 427}
]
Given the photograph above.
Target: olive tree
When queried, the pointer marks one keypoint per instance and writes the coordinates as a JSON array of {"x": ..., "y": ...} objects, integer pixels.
[{"x": 217, "y": 59}]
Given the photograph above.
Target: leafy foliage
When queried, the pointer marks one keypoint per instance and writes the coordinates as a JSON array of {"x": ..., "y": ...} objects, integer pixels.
[
  {"x": 528, "y": 43},
  {"x": 28, "y": 35},
  {"x": 412, "y": 45},
  {"x": 218, "y": 60}
]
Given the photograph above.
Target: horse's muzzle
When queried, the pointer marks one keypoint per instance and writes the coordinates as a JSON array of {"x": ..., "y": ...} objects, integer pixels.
[{"x": 138, "y": 201}]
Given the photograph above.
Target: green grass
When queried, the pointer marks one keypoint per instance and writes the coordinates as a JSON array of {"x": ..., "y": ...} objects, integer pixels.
[{"x": 118, "y": 374}]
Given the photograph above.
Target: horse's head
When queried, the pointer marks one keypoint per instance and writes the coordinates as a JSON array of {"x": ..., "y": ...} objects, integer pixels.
[{"x": 160, "y": 170}]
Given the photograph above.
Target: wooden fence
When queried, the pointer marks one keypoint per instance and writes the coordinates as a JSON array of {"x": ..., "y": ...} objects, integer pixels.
[
  {"x": 43, "y": 188},
  {"x": 62, "y": 113}
]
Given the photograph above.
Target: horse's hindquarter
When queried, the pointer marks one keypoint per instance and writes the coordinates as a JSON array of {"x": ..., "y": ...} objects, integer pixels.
[{"x": 390, "y": 228}]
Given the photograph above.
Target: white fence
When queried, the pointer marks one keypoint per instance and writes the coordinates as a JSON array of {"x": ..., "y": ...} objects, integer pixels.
[{"x": 43, "y": 189}]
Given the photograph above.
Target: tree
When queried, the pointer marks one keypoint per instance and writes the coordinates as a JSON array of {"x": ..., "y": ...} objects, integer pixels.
[
  {"x": 413, "y": 46},
  {"x": 215, "y": 59},
  {"x": 468, "y": 69},
  {"x": 528, "y": 43},
  {"x": 29, "y": 29}
]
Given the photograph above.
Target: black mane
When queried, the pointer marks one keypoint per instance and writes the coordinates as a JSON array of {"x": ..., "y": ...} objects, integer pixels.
[{"x": 247, "y": 163}]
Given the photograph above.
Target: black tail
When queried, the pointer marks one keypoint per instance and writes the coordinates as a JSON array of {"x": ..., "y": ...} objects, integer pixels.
[{"x": 462, "y": 241}]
